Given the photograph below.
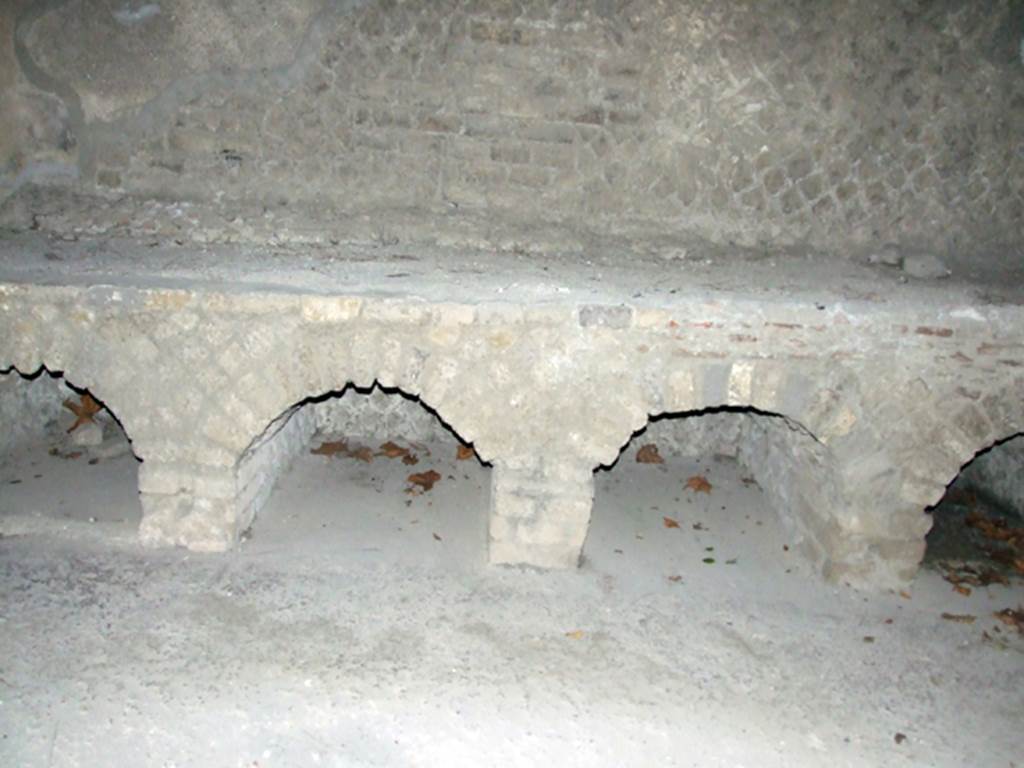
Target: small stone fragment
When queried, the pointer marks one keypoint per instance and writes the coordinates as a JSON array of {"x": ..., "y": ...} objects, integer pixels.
[
  {"x": 924, "y": 266},
  {"x": 87, "y": 434},
  {"x": 889, "y": 255}
]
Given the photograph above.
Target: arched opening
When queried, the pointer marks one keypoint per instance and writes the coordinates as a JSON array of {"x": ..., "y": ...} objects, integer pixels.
[
  {"x": 66, "y": 462},
  {"x": 367, "y": 474},
  {"x": 977, "y": 533},
  {"x": 728, "y": 494}
]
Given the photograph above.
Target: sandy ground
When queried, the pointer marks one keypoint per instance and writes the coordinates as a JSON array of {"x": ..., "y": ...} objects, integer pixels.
[{"x": 360, "y": 626}]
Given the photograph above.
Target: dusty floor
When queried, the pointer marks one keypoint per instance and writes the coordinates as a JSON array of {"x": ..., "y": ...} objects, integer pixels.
[{"x": 359, "y": 626}]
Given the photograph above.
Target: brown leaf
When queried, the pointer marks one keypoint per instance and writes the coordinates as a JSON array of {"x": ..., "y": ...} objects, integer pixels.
[
  {"x": 84, "y": 410},
  {"x": 904, "y": 594},
  {"x": 958, "y": 575},
  {"x": 424, "y": 480},
  {"x": 960, "y": 618},
  {"x": 1012, "y": 618},
  {"x": 996, "y": 529},
  {"x": 699, "y": 484},
  {"x": 965, "y": 591},
  {"x": 410, "y": 459},
  {"x": 676, "y": 578},
  {"x": 363, "y": 453},
  {"x": 668, "y": 522},
  {"x": 648, "y": 454},
  {"x": 342, "y": 448},
  {"x": 334, "y": 448},
  {"x": 392, "y": 450},
  {"x": 464, "y": 452}
]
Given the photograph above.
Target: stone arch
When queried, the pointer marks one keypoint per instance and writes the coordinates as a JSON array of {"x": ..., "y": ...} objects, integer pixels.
[
  {"x": 918, "y": 433},
  {"x": 258, "y": 422},
  {"x": 817, "y": 406},
  {"x": 67, "y": 497},
  {"x": 111, "y": 397},
  {"x": 821, "y": 402},
  {"x": 971, "y": 424}
]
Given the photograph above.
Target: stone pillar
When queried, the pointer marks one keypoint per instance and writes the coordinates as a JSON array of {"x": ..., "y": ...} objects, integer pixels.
[
  {"x": 206, "y": 507},
  {"x": 190, "y": 505},
  {"x": 539, "y": 515}
]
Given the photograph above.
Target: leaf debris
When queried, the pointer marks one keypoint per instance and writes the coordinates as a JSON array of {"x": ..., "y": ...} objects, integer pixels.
[
  {"x": 648, "y": 454},
  {"x": 1012, "y": 618},
  {"x": 699, "y": 484},
  {"x": 342, "y": 448},
  {"x": 960, "y": 618},
  {"x": 424, "y": 481},
  {"x": 84, "y": 410}
]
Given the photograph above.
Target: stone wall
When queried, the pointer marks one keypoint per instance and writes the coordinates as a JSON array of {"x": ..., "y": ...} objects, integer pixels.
[
  {"x": 534, "y": 125},
  {"x": 30, "y": 409}
]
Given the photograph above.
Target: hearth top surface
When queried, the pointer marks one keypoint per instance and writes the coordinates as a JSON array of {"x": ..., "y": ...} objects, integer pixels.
[{"x": 58, "y": 237}]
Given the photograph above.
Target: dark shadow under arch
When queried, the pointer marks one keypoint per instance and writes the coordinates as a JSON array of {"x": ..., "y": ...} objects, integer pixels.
[{"x": 977, "y": 533}]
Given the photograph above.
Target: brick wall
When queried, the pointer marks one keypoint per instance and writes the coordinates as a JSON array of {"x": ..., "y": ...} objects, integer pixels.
[{"x": 839, "y": 125}]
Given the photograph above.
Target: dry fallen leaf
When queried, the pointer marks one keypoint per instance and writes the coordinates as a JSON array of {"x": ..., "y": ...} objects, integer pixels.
[
  {"x": 84, "y": 410},
  {"x": 668, "y": 522},
  {"x": 995, "y": 529},
  {"x": 904, "y": 594},
  {"x": 436, "y": 537},
  {"x": 342, "y": 448},
  {"x": 1012, "y": 618},
  {"x": 899, "y": 738},
  {"x": 424, "y": 480},
  {"x": 393, "y": 450},
  {"x": 960, "y": 618},
  {"x": 464, "y": 452},
  {"x": 965, "y": 591},
  {"x": 959, "y": 575},
  {"x": 331, "y": 448},
  {"x": 648, "y": 454},
  {"x": 677, "y": 577},
  {"x": 699, "y": 484},
  {"x": 363, "y": 453},
  {"x": 410, "y": 459},
  {"x": 576, "y": 634}
]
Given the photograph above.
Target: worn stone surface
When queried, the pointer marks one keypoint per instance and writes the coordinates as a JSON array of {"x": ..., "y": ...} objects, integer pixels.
[
  {"x": 29, "y": 409},
  {"x": 531, "y": 126},
  {"x": 886, "y": 388}
]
